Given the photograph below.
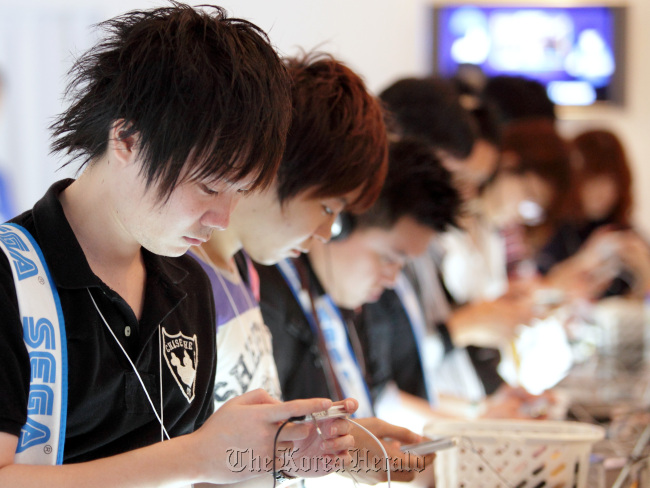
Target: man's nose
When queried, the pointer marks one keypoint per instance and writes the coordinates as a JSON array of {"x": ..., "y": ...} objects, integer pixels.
[
  {"x": 218, "y": 216},
  {"x": 324, "y": 231},
  {"x": 389, "y": 275}
]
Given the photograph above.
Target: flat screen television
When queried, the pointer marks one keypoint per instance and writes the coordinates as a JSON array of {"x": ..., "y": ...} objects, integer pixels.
[{"x": 576, "y": 52}]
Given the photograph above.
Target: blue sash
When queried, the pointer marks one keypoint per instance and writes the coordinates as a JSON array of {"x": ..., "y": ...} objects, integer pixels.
[
  {"x": 42, "y": 437},
  {"x": 342, "y": 357},
  {"x": 430, "y": 347}
]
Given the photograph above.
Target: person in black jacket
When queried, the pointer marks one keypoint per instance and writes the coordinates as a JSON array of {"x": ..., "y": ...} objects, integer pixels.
[{"x": 335, "y": 279}]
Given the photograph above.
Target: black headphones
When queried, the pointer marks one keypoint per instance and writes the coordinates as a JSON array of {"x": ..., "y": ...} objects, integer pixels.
[{"x": 343, "y": 226}]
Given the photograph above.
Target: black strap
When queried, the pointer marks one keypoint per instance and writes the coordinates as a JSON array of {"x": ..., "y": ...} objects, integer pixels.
[{"x": 330, "y": 375}]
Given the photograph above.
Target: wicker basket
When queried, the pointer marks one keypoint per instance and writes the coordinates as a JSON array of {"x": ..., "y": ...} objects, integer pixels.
[{"x": 514, "y": 453}]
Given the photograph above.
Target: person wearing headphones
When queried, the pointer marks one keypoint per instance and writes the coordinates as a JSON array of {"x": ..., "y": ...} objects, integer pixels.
[{"x": 311, "y": 303}]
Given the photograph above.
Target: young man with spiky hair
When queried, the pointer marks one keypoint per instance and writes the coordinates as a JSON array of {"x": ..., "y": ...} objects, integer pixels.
[{"x": 174, "y": 115}]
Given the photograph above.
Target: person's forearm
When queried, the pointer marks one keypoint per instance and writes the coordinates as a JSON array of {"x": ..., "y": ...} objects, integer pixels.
[
  {"x": 470, "y": 325},
  {"x": 170, "y": 463},
  {"x": 249, "y": 420},
  {"x": 642, "y": 280}
]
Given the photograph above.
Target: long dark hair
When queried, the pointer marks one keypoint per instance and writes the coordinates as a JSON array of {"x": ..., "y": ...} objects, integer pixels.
[{"x": 601, "y": 153}]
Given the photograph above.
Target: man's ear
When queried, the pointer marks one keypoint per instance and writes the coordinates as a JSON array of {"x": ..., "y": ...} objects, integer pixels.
[{"x": 123, "y": 148}]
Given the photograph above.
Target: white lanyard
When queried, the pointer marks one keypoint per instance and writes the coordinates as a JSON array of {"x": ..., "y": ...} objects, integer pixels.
[
  {"x": 163, "y": 431},
  {"x": 206, "y": 259},
  {"x": 342, "y": 357},
  {"x": 430, "y": 348}
]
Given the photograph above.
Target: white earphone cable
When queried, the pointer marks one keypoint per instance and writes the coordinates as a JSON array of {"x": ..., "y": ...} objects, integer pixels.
[{"x": 383, "y": 450}]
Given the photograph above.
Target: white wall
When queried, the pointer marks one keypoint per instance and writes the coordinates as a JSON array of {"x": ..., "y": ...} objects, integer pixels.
[
  {"x": 36, "y": 50},
  {"x": 381, "y": 39}
]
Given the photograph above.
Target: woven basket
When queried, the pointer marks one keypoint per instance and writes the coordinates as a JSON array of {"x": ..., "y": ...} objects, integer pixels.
[{"x": 514, "y": 453}]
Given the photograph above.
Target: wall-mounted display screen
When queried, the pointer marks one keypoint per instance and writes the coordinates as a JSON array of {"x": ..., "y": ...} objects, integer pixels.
[{"x": 576, "y": 52}]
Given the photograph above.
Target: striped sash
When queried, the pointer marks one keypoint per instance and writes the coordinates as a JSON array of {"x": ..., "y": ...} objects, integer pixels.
[{"x": 43, "y": 435}]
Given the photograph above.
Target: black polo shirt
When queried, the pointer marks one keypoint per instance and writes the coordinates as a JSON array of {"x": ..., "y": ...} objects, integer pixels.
[{"x": 108, "y": 412}]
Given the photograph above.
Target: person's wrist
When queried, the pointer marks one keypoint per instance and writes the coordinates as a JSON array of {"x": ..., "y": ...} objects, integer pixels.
[
  {"x": 191, "y": 468},
  {"x": 646, "y": 286}
]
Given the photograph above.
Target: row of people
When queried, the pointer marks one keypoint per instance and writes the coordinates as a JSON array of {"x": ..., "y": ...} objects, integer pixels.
[
  {"x": 203, "y": 153},
  {"x": 148, "y": 191},
  {"x": 175, "y": 115},
  {"x": 527, "y": 193}
]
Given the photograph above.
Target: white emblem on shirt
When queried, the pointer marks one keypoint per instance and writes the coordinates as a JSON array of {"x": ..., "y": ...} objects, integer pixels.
[{"x": 175, "y": 347}]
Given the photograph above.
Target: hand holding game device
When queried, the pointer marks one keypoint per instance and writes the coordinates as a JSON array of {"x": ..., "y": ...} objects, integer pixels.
[{"x": 335, "y": 411}]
